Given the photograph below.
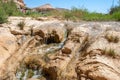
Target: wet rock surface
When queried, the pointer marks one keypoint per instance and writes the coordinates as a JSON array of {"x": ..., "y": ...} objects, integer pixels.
[{"x": 59, "y": 50}]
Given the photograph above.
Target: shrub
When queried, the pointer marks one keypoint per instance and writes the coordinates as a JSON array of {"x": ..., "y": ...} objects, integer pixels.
[
  {"x": 8, "y": 9},
  {"x": 75, "y": 14},
  {"x": 116, "y": 16},
  {"x": 67, "y": 15},
  {"x": 33, "y": 14},
  {"x": 11, "y": 8},
  {"x": 3, "y": 16},
  {"x": 114, "y": 9},
  {"x": 56, "y": 14},
  {"x": 78, "y": 13},
  {"x": 21, "y": 25},
  {"x": 111, "y": 52}
]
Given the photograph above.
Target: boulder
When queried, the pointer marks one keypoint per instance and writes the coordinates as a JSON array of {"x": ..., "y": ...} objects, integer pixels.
[
  {"x": 52, "y": 32},
  {"x": 65, "y": 50}
]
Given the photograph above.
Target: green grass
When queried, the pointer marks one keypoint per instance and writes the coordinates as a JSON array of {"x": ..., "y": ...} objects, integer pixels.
[
  {"x": 96, "y": 17},
  {"x": 75, "y": 14},
  {"x": 8, "y": 9},
  {"x": 78, "y": 14},
  {"x": 33, "y": 14},
  {"x": 116, "y": 16},
  {"x": 3, "y": 16}
]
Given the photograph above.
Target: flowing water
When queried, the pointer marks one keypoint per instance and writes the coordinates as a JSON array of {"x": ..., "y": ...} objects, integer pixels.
[{"x": 23, "y": 73}]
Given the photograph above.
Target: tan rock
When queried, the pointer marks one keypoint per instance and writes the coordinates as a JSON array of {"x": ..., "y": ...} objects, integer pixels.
[
  {"x": 54, "y": 32},
  {"x": 89, "y": 51},
  {"x": 58, "y": 68},
  {"x": 8, "y": 44},
  {"x": 102, "y": 58},
  {"x": 65, "y": 50},
  {"x": 20, "y": 32},
  {"x": 35, "y": 79},
  {"x": 102, "y": 42}
]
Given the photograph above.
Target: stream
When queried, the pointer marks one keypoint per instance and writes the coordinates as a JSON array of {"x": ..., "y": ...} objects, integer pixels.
[
  {"x": 28, "y": 73},
  {"x": 23, "y": 73}
]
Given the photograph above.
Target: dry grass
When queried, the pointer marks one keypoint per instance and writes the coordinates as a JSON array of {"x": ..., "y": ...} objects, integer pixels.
[
  {"x": 21, "y": 25},
  {"x": 111, "y": 52},
  {"x": 112, "y": 38}
]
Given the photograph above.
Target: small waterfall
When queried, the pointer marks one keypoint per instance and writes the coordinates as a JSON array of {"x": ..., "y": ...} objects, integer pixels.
[{"x": 28, "y": 73}]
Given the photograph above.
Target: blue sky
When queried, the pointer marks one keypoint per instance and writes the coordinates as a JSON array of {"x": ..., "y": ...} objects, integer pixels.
[{"x": 101, "y": 6}]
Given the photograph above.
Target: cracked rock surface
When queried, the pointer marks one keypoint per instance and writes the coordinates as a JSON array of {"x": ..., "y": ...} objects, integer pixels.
[{"x": 59, "y": 50}]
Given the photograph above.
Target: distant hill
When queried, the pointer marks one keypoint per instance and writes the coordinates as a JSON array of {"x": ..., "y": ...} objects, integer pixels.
[
  {"x": 47, "y": 7},
  {"x": 61, "y": 9}
]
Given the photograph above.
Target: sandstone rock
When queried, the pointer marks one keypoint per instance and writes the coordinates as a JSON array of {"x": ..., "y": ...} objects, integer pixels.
[
  {"x": 51, "y": 32},
  {"x": 8, "y": 69},
  {"x": 42, "y": 78},
  {"x": 85, "y": 51},
  {"x": 58, "y": 67},
  {"x": 104, "y": 44},
  {"x": 34, "y": 61},
  {"x": 19, "y": 32},
  {"x": 8, "y": 44},
  {"x": 39, "y": 32},
  {"x": 35, "y": 79},
  {"x": 101, "y": 58},
  {"x": 98, "y": 67},
  {"x": 65, "y": 50},
  {"x": 42, "y": 18},
  {"x": 19, "y": 3}
]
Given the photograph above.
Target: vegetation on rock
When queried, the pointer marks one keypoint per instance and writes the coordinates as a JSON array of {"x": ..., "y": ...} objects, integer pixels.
[
  {"x": 8, "y": 9},
  {"x": 110, "y": 52},
  {"x": 112, "y": 38},
  {"x": 21, "y": 25}
]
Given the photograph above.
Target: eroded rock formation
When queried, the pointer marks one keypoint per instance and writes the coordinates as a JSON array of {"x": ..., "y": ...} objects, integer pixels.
[
  {"x": 20, "y": 3},
  {"x": 43, "y": 8},
  {"x": 59, "y": 50}
]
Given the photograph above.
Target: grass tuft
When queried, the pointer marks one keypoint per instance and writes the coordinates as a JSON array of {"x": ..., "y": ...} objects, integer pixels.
[
  {"x": 21, "y": 25},
  {"x": 110, "y": 52},
  {"x": 111, "y": 38}
]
